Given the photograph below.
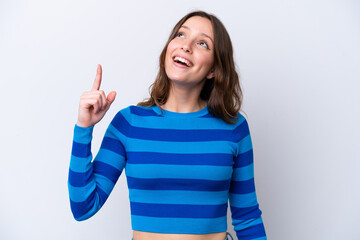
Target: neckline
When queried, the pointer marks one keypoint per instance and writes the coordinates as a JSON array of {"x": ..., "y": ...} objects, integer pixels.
[{"x": 167, "y": 113}]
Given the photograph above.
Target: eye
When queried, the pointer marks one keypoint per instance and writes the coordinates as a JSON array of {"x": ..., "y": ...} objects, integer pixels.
[
  {"x": 204, "y": 44},
  {"x": 179, "y": 34}
]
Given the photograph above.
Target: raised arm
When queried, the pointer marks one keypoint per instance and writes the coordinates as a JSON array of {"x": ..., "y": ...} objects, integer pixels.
[{"x": 91, "y": 182}]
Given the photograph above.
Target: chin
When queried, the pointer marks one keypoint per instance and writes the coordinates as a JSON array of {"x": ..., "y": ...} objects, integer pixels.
[
  {"x": 175, "y": 77},
  {"x": 177, "y": 80}
]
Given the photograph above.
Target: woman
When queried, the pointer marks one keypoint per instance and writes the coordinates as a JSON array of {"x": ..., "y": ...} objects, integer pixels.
[{"x": 186, "y": 150}]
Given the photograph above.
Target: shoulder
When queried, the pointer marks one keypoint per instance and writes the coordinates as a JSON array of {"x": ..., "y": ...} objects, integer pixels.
[
  {"x": 142, "y": 110},
  {"x": 241, "y": 120},
  {"x": 241, "y": 128},
  {"x": 131, "y": 111}
]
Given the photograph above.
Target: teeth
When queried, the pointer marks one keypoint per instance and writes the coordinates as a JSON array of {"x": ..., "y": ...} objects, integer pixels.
[{"x": 182, "y": 60}]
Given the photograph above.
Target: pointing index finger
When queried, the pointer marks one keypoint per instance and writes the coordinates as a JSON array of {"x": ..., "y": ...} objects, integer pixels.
[{"x": 97, "y": 81}]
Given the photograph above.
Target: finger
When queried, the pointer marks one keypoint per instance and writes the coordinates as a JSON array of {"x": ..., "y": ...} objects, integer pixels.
[
  {"x": 97, "y": 81},
  {"x": 99, "y": 96},
  {"x": 110, "y": 99},
  {"x": 94, "y": 103},
  {"x": 97, "y": 102},
  {"x": 103, "y": 99}
]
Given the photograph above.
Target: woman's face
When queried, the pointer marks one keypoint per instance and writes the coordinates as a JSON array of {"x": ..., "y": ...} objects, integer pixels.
[{"x": 190, "y": 55}]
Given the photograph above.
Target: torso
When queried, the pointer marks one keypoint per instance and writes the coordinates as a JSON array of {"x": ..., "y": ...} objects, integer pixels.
[
  {"x": 139, "y": 235},
  {"x": 167, "y": 157}
]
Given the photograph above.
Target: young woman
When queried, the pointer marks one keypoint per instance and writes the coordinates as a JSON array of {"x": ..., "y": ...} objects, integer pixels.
[{"x": 186, "y": 150}]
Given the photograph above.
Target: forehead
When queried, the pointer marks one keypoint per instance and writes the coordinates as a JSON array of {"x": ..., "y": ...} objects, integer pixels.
[{"x": 199, "y": 25}]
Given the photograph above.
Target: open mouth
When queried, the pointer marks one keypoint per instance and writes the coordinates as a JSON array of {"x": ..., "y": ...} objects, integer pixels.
[{"x": 182, "y": 61}]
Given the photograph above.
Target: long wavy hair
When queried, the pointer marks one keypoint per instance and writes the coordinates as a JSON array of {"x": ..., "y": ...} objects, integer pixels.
[{"x": 222, "y": 92}]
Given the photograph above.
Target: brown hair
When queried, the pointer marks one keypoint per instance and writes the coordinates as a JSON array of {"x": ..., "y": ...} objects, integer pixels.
[{"x": 222, "y": 92}]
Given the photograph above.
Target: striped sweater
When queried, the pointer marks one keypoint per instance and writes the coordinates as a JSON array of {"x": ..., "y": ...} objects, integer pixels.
[{"x": 181, "y": 171}]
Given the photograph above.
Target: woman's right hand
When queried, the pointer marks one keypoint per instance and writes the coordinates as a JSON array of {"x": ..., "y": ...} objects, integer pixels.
[{"x": 94, "y": 104}]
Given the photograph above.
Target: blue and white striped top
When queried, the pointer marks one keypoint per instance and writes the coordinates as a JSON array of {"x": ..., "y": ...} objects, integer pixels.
[{"x": 181, "y": 171}]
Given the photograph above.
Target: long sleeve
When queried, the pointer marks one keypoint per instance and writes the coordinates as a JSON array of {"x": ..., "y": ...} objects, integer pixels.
[
  {"x": 245, "y": 211},
  {"x": 91, "y": 182}
]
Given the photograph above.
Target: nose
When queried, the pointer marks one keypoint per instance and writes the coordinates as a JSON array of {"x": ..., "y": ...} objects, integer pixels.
[{"x": 186, "y": 46}]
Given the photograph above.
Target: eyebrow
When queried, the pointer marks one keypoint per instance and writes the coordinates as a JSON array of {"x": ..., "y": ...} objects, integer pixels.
[{"x": 204, "y": 34}]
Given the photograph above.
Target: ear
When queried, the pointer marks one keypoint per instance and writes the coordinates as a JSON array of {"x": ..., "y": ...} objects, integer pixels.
[{"x": 211, "y": 74}]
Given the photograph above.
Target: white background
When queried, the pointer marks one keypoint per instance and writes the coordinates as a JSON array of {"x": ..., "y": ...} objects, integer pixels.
[{"x": 300, "y": 69}]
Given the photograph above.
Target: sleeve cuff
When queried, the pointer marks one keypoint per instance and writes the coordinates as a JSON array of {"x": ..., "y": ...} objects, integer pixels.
[{"x": 83, "y": 134}]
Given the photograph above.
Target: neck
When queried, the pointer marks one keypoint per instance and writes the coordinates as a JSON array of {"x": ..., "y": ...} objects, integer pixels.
[{"x": 184, "y": 101}]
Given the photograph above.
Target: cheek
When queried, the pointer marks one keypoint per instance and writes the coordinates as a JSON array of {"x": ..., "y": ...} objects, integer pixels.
[
  {"x": 171, "y": 46},
  {"x": 207, "y": 61},
  {"x": 169, "y": 51}
]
